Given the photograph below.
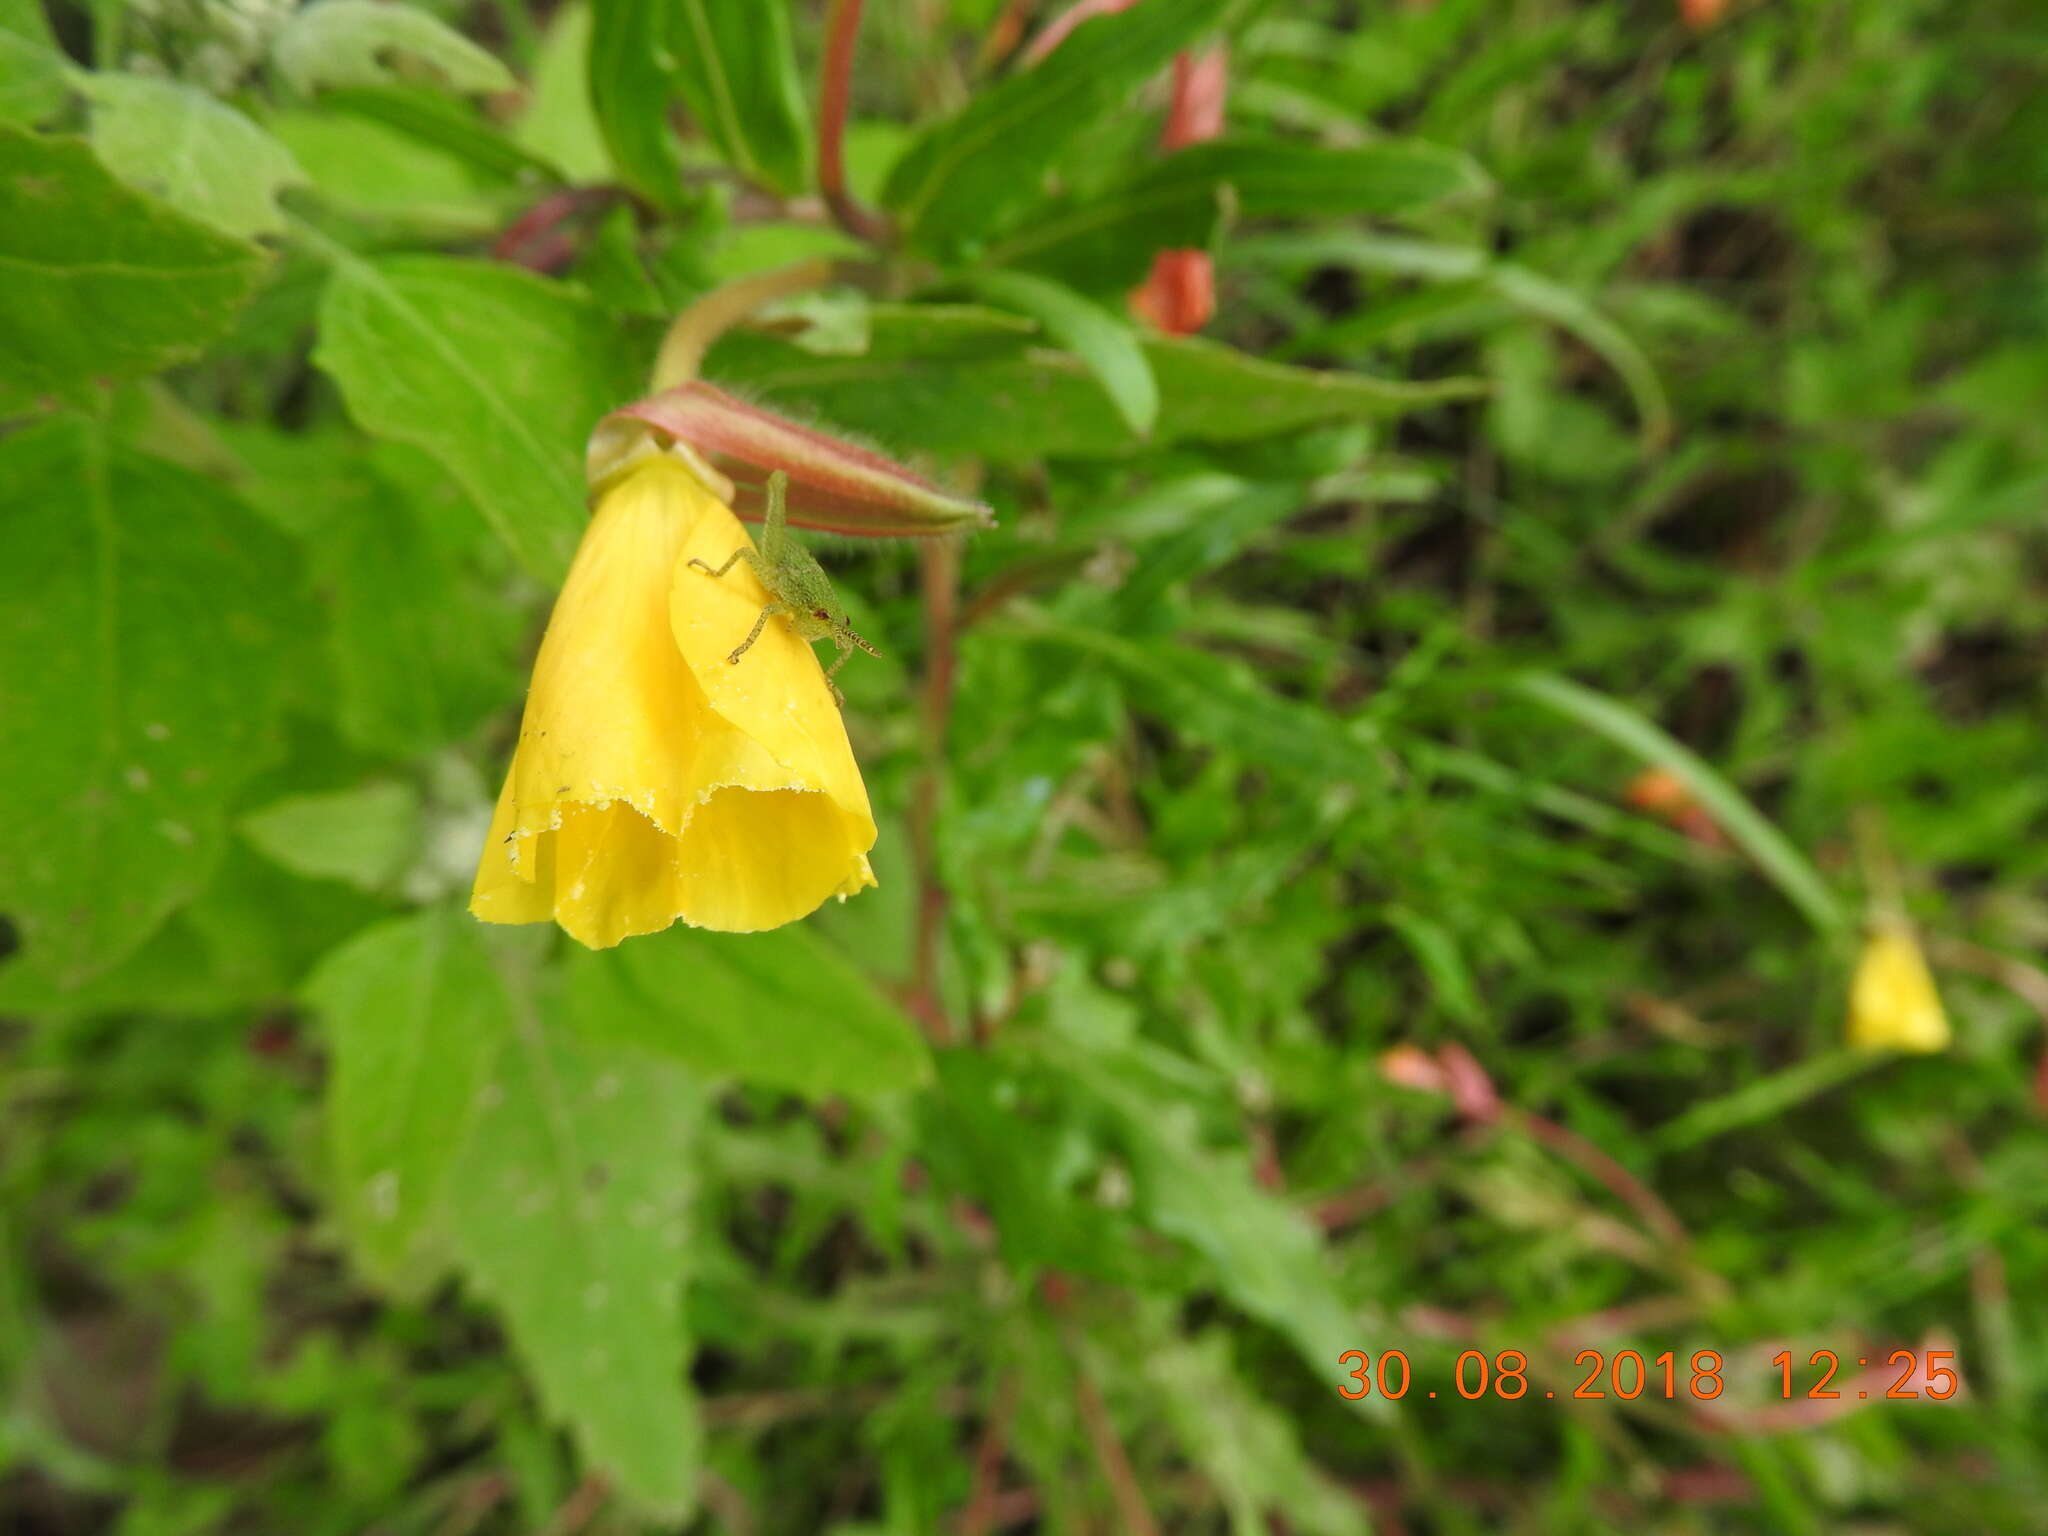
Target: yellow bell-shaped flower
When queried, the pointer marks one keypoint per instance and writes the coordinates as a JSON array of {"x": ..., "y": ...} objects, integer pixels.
[
  {"x": 654, "y": 780},
  {"x": 1892, "y": 1002}
]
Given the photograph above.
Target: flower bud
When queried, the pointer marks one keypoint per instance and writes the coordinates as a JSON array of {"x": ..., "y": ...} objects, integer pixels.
[
  {"x": 1892, "y": 1002},
  {"x": 834, "y": 486}
]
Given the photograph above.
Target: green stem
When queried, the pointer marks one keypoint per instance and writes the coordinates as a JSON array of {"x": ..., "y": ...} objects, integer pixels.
[{"x": 696, "y": 328}]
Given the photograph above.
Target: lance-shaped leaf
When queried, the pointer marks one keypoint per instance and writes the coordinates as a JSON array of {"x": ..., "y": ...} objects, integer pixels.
[
  {"x": 977, "y": 171},
  {"x": 1104, "y": 242},
  {"x": 834, "y": 485},
  {"x": 629, "y": 94},
  {"x": 736, "y": 69}
]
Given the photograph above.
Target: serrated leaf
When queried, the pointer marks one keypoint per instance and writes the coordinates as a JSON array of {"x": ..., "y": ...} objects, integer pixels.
[
  {"x": 152, "y": 695},
  {"x": 361, "y": 42},
  {"x": 32, "y": 70},
  {"x": 782, "y": 1008},
  {"x": 1107, "y": 242},
  {"x": 966, "y": 176},
  {"x": 498, "y": 374},
  {"x": 365, "y": 836},
  {"x": 570, "y": 1211},
  {"x": 199, "y": 155},
  {"x": 991, "y": 396},
  {"x": 414, "y": 1015},
  {"x": 736, "y": 69},
  {"x": 1105, "y": 343},
  {"x": 98, "y": 282}
]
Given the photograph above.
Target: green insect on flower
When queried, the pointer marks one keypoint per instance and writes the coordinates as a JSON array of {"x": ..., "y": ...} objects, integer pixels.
[{"x": 798, "y": 585}]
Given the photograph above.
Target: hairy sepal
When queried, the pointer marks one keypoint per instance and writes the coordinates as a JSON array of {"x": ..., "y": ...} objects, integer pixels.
[{"x": 834, "y": 486}]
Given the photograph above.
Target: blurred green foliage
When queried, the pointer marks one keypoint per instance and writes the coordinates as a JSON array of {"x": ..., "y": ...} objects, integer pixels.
[{"x": 1589, "y": 392}]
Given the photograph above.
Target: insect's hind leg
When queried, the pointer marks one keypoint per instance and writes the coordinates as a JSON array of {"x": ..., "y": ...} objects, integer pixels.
[
  {"x": 738, "y": 554},
  {"x": 755, "y": 633}
]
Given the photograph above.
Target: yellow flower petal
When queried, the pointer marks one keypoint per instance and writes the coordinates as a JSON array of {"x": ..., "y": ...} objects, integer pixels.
[
  {"x": 653, "y": 780},
  {"x": 1892, "y": 1002}
]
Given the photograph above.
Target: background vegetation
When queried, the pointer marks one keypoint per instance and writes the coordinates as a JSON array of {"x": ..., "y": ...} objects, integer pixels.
[{"x": 1591, "y": 390}]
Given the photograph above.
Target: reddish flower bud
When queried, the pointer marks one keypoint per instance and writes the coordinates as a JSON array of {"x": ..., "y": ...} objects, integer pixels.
[
  {"x": 1453, "y": 1072},
  {"x": 1201, "y": 81},
  {"x": 834, "y": 486},
  {"x": 1179, "y": 296}
]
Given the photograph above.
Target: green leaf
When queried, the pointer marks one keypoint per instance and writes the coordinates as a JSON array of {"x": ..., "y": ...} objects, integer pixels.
[
  {"x": 1107, "y": 242},
  {"x": 1246, "y": 1447},
  {"x": 32, "y": 70},
  {"x": 783, "y": 1008},
  {"x": 559, "y": 124},
  {"x": 456, "y": 127},
  {"x": 388, "y": 178},
  {"x": 1435, "y": 948},
  {"x": 1223, "y": 702},
  {"x": 360, "y": 42},
  {"x": 1782, "y": 863},
  {"x": 98, "y": 282},
  {"x": 629, "y": 92},
  {"x": 246, "y": 941},
  {"x": 570, "y": 1211},
  {"x": 1769, "y": 1097},
  {"x": 1528, "y": 291},
  {"x": 498, "y": 374},
  {"x": 731, "y": 62},
  {"x": 981, "y": 1135},
  {"x": 736, "y": 68},
  {"x": 1266, "y": 1256},
  {"x": 1106, "y": 344},
  {"x": 987, "y": 395},
  {"x": 151, "y": 698},
  {"x": 199, "y": 155},
  {"x": 1537, "y": 295},
  {"x": 365, "y": 836},
  {"x": 968, "y": 175},
  {"x": 414, "y": 1015},
  {"x": 423, "y": 647}
]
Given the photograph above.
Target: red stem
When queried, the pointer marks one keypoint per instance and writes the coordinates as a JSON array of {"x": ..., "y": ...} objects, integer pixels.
[
  {"x": 939, "y": 563},
  {"x": 980, "y": 1515},
  {"x": 835, "y": 91},
  {"x": 1638, "y": 1196}
]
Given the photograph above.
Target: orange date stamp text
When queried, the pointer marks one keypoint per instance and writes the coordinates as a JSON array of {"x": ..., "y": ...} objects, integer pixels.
[{"x": 1921, "y": 1375}]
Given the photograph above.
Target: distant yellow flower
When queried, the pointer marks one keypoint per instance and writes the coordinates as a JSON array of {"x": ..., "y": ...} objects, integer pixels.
[
  {"x": 1892, "y": 1002},
  {"x": 653, "y": 779}
]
